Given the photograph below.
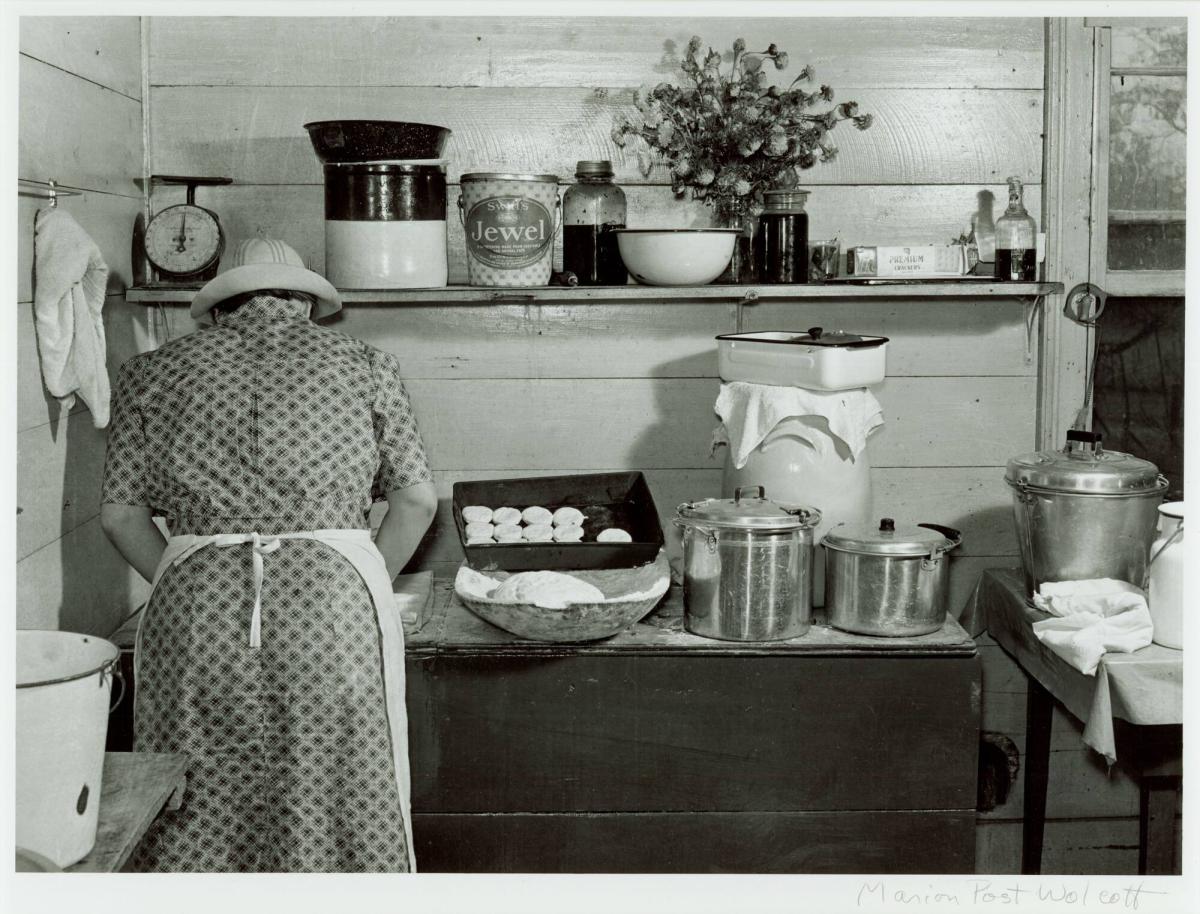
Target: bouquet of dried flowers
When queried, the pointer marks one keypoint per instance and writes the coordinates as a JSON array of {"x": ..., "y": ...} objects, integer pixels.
[{"x": 729, "y": 136}]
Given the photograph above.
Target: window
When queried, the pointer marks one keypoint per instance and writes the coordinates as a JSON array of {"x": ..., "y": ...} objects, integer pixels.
[
  {"x": 1141, "y": 154},
  {"x": 1138, "y": 245}
]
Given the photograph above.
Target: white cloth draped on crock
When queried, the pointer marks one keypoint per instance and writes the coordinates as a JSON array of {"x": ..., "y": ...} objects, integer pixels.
[
  {"x": 749, "y": 412},
  {"x": 70, "y": 278}
]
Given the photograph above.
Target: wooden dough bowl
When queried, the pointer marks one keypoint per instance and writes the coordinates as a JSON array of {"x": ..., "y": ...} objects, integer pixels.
[{"x": 578, "y": 621}]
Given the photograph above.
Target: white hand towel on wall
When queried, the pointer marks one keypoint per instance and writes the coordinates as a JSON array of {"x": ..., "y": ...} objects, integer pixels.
[
  {"x": 1091, "y": 618},
  {"x": 749, "y": 412},
  {"x": 70, "y": 277}
]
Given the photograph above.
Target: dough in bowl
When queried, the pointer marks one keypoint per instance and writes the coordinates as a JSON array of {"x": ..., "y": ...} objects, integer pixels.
[
  {"x": 568, "y": 517},
  {"x": 613, "y": 535},
  {"x": 547, "y": 589},
  {"x": 571, "y": 534},
  {"x": 538, "y": 533},
  {"x": 536, "y": 515},
  {"x": 475, "y": 531},
  {"x": 506, "y": 516},
  {"x": 476, "y": 514}
]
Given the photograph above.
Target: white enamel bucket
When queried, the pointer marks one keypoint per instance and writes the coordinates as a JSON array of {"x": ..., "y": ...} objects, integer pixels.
[{"x": 64, "y": 684}]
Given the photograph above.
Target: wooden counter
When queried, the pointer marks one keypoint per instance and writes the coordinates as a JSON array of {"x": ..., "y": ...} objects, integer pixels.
[
  {"x": 135, "y": 788},
  {"x": 660, "y": 751}
]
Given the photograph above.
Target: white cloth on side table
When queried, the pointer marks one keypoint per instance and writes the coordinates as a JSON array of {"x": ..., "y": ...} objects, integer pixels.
[
  {"x": 749, "y": 412},
  {"x": 70, "y": 278},
  {"x": 1092, "y": 618}
]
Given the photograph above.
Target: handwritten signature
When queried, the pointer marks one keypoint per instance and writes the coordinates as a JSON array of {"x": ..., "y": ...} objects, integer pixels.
[{"x": 987, "y": 892}]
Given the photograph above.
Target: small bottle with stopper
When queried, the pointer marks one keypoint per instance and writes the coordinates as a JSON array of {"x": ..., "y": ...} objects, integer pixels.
[{"x": 1016, "y": 240}]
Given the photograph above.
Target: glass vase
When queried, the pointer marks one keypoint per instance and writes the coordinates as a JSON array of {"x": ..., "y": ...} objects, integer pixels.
[{"x": 742, "y": 267}]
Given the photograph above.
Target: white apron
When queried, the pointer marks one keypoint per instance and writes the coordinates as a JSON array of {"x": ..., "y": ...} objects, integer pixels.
[{"x": 357, "y": 547}]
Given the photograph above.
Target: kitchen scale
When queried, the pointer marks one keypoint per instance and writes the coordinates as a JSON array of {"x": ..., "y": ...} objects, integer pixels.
[{"x": 183, "y": 243}]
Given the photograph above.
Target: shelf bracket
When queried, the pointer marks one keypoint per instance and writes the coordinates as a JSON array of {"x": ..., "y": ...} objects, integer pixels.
[
  {"x": 1033, "y": 310},
  {"x": 750, "y": 298}
]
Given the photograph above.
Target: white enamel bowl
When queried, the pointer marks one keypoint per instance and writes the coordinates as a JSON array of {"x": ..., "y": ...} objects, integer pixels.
[{"x": 676, "y": 257}]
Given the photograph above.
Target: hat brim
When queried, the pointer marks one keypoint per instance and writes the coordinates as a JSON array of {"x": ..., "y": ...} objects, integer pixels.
[{"x": 254, "y": 276}]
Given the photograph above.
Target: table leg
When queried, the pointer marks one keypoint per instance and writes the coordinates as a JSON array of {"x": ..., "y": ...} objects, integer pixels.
[
  {"x": 1039, "y": 710},
  {"x": 1156, "y": 833}
]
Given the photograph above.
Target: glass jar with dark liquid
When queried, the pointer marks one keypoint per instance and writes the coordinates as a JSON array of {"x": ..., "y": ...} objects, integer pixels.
[
  {"x": 782, "y": 237},
  {"x": 592, "y": 208}
]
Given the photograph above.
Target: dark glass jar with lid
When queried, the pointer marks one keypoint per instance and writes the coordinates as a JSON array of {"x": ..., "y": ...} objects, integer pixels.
[
  {"x": 782, "y": 238},
  {"x": 592, "y": 208}
]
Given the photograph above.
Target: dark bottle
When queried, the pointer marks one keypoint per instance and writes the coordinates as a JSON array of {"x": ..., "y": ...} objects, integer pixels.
[
  {"x": 592, "y": 208},
  {"x": 782, "y": 238},
  {"x": 1016, "y": 240}
]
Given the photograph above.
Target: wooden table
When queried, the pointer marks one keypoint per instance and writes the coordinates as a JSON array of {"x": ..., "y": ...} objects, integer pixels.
[
  {"x": 660, "y": 751},
  {"x": 1149, "y": 747},
  {"x": 136, "y": 787}
]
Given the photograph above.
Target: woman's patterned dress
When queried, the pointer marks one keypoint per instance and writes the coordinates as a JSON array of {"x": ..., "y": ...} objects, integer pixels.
[{"x": 268, "y": 423}]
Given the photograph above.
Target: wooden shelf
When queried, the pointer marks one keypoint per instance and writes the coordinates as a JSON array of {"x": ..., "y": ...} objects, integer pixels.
[{"x": 473, "y": 295}]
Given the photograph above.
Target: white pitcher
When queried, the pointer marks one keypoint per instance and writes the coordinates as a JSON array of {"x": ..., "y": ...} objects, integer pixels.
[{"x": 1165, "y": 588}]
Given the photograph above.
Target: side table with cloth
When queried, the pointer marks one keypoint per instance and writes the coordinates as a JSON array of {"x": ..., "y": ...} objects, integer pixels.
[{"x": 1132, "y": 711}]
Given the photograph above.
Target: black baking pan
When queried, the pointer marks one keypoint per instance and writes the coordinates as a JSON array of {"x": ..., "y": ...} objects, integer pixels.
[{"x": 606, "y": 500}]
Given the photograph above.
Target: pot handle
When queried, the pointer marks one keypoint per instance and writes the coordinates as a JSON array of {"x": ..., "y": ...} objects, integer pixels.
[
  {"x": 737, "y": 493},
  {"x": 810, "y": 517},
  {"x": 119, "y": 677},
  {"x": 955, "y": 536},
  {"x": 1170, "y": 539}
]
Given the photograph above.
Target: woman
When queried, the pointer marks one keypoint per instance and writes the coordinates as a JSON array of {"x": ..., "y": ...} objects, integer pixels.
[{"x": 270, "y": 652}]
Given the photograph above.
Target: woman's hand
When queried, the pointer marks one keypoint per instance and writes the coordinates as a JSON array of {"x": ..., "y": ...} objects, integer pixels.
[
  {"x": 409, "y": 514},
  {"x": 131, "y": 529}
]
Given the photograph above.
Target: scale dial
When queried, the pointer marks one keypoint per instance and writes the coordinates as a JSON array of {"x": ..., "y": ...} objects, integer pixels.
[{"x": 183, "y": 240}]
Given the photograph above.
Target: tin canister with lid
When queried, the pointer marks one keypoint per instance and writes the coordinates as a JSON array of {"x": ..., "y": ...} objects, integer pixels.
[
  {"x": 782, "y": 238},
  {"x": 385, "y": 225},
  {"x": 509, "y": 221},
  {"x": 747, "y": 567},
  {"x": 1084, "y": 512},
  {"x": 886, "y": 579}
]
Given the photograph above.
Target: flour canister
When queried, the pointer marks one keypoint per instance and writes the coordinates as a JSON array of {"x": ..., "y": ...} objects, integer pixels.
[
  {"x": 509, "y": 221},
  {"x": 385, "y": 225}
]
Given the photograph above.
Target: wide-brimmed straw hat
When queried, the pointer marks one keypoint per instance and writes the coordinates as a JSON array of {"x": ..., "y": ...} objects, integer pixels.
[{"x": 266, "y": 263}]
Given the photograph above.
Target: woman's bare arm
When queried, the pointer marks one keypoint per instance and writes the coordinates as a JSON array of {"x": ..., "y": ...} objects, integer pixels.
[
  {"x": 132, "y": 531},
  {"x": 409, "y": 514}
]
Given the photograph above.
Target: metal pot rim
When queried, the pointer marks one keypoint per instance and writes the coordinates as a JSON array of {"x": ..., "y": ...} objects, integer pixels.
[
  {"x": 805, "y": 518},
  {"x": 1161, "y": 484}
]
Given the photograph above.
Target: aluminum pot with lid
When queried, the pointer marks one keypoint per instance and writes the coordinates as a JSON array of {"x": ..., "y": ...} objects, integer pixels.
[
  {"x": 888, "y": 580},
  {"x": 1084, "y": 512},
  {"x": 747, "y": 567}
]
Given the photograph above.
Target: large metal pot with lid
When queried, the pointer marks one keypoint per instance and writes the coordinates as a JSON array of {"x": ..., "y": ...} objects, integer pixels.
[
  {"x": 1084, "y": 512},
  {"x": 888, "y": 580},
  {"x": 747, "y": 567}
]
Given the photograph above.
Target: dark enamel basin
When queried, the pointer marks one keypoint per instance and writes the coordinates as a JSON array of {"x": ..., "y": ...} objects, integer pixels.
[{"x": 376, "y": 141}]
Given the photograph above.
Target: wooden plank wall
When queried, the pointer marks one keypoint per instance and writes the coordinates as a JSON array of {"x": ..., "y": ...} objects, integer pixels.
[
  {"x": 80, "y": 125},
  {"x": 529, "y": 390}
]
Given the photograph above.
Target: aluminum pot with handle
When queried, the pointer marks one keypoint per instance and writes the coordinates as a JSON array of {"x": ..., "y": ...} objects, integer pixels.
[
  {"x": 747, "y": 567},
  {"x": 888, "y": 580},
  {"x": 1084, "y": 512}
]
